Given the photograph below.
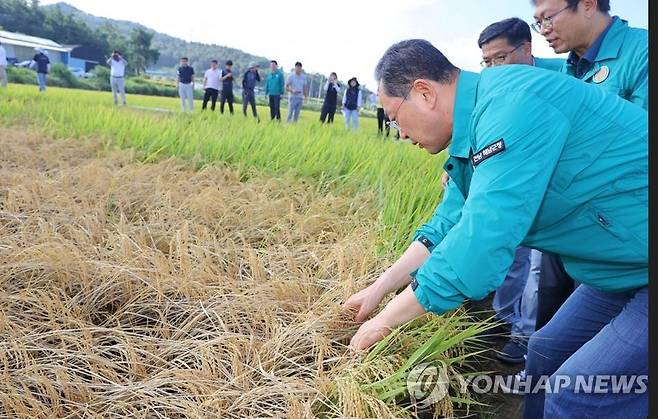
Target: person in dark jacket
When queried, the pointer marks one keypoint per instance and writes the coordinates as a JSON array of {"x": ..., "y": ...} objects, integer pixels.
[
  {"x": 331, "y": 89},
  {"x": 227, "y": 87},
  {"x": 249, "y": 81},
  {"x": 352, "y": 103},
  {"x": 41, "y": 63}
]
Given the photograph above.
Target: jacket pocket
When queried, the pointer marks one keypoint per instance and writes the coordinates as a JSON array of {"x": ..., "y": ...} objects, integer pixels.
[{"x": 631, "y": 237}]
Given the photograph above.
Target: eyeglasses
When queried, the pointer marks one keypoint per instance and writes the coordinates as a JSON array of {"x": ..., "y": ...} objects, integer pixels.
[
  {"x": 547, "y": 22},
  {"x": 393, "y": 123},
  {"x": 500, "y": 59}
]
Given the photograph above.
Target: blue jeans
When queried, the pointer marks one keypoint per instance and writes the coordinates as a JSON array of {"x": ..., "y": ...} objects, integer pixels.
[
  {"x": 294, "y": 108},
  {"x": 529, "y": 301},
  {"x": 41, "y": 78},
  {"x": 352, "y": 116},
  {"x": 249, "y": 98},
  {"x": 595, "y": 333},
  {"x": 508, "y": 297}
]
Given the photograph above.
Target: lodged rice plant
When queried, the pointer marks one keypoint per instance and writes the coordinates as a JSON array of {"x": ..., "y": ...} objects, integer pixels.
[
  {"x": 176, "y": 289},
  {"x": 404, "y": 180}
]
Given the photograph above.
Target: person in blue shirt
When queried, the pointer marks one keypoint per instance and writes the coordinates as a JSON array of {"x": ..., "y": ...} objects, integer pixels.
[
  {"x": 603, "y": 50},
  {"x": 606, "y": 52},
  {"x": 538, "y": 159},
  {"x": 509, "y": 41},
  {"x": 250, "y": 80}
]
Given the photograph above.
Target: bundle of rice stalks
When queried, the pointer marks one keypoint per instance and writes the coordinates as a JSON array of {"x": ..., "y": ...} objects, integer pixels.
[{"x": 154, "y": 290}]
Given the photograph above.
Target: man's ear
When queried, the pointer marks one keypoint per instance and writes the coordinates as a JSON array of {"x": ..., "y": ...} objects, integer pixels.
[
  {"x": 426, "y": 89},
  {"x": 590, "y": 7},
  {"x": 527, "y": 48}
]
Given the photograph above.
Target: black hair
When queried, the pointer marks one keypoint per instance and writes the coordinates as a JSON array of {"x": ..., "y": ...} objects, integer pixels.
[
  {"x": 298, "y": 64},
  {"x": 274, "y": 62},
  {"x": 184, "y": 58},
  {"x": 603, "y": 5},
  {"x": 355, "y": 80},
  {"x": 229, "y": 62},
  {"x": 333, "y": 73},
  {"x": 515, "y": 30},
  {"x": 215, "y": 61},
  {"x": 410, "y": 60}
]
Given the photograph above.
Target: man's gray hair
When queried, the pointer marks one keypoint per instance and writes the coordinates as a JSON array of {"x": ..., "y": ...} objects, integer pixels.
[{"x": 410, "y": 60}]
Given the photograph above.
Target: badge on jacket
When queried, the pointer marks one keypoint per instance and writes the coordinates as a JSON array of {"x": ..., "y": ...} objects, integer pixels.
[
  {"x": 601, "y": 75},
  {"x": 489, "y": 151}
]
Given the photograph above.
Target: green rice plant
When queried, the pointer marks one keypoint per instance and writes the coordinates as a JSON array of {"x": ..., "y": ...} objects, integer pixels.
[
  {"x": 406, "y": 180},
  {"x": 159, "y": 290},
  {"x": 382, "y": 377}
]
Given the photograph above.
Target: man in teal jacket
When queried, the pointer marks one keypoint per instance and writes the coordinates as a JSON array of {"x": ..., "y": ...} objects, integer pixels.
[
  {"x": 535, "y": 159},
  {"x": 603, "y": 50},
  {"x": 505, "y": 42},
  {"x": 274, "y": 88}
]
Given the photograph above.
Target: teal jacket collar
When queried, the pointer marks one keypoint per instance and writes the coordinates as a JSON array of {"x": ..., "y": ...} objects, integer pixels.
[
  {"x": 610, "y": 46},
  {"x": 613, "y": 40},
  {"x": 467, "y": 84}
]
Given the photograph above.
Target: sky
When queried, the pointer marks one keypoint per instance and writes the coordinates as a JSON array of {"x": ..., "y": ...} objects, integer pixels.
[{"x": 345, "y": 36}]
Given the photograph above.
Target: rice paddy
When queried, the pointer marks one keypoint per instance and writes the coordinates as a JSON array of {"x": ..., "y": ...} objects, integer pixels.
[{"x": 157, "y": 265}]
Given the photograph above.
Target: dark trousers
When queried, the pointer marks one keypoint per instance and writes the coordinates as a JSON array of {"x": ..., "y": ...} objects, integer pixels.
[
  {"x": 211, "y": 94},
  {"x": 275, "y": 106},
  {"x": 382, "y": 120},
  {"x": 555, "y": 286},
  {"x": 226, "y": 96},
  {"x": 249, "y": 97},
  {"x": 327, "y": 113}
]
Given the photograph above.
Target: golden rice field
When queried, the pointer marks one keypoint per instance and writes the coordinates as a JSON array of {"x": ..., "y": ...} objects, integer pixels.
[{"x": 135, "y": 284}]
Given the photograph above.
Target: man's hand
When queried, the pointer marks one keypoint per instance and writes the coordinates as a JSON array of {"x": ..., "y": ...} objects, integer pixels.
[
  {"x": 370, "y": 333},
  {"x": 399, "y": 310},
  {"x": 365, "y": 301}
]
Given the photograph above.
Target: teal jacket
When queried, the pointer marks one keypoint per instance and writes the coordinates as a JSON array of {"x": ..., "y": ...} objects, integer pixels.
[
  {"x": 554, "y": 64},
  {"x": 544, "y": 161},
  {"x": 622, "y": 63},
  {"x": 275, "y": 83}
]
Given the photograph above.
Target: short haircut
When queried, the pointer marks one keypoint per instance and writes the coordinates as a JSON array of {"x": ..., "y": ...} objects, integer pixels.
[
  {"x": 603, "y": 5},
  {"x": 229, "y": 62},
  {"x": 410, "y": 60},
  {"x": 215, "y": 62},
  {"x": 333, "y": 74},
  {"x": 274, "y": 62},
  {"x": 184, "y": 58},
  {"x": 298, "y": 64},
  {"x": 515, "y": 30}
]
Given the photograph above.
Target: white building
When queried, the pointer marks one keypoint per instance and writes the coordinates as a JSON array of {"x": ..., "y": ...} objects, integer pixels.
[{"x": 21, "y": 47}]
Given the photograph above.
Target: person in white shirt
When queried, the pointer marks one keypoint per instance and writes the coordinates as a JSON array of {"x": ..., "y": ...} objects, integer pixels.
[
  {"x": 212, "y": 85},
  {"x": 117, "y": 73},
  {"x": 3, "y": 66}
]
